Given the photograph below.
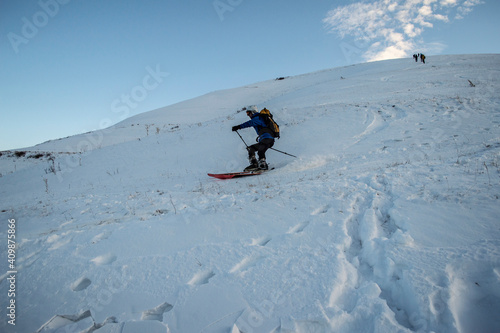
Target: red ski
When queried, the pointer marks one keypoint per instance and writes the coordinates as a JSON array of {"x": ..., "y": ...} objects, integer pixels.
[{"x": 231, "y": 175}]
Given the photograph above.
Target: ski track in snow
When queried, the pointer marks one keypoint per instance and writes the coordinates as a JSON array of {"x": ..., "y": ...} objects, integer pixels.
[
  {"x": 388, "y": 225},
  {"x": 369, "y": 227}
]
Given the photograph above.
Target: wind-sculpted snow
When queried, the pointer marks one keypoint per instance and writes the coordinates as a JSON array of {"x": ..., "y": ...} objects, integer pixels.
[{"x": 387, "y": 221}]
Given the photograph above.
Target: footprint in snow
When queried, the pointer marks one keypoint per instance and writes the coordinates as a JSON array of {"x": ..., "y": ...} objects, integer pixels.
[
  {"x": 57, "y": 241},
  {"x": 246, "y": 263},
  {"x": 80, "y": 284},
  {"x": 261, "y": 241},
  {"x": 321, "y": 210},
  {"x": 201, "y": 278},
  {"x": 156, "y": 313},
  {"x": 105, "y": 259},
  {"x": 298, "y": 228},
  {"x": 100, "y": 237}
]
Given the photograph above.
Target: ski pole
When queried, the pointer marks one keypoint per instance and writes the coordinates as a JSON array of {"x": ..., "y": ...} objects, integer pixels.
[
  {"x": 242, "y": 139},
  {"x": 279, "y": 151}
]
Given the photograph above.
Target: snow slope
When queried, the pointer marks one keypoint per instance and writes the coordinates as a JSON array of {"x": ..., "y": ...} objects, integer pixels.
[{"x": 387, "y": 222}]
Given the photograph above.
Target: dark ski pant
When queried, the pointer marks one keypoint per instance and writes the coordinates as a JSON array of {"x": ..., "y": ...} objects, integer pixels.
[{"x": 260, "y": 148}]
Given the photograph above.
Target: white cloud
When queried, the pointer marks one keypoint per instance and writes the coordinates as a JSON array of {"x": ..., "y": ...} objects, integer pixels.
[
  {"x": 412, "y": 31},
  {"x": 466, "y": 8},
  {"x": 390, "y": 28},
  {"x": 440, "y": 17},
  {"x": 358, "y": 19},
  {"x": 425, "y": 11}
]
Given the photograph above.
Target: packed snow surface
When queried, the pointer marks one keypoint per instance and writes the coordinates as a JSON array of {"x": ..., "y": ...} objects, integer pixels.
[{"x": 388, "y": 220}]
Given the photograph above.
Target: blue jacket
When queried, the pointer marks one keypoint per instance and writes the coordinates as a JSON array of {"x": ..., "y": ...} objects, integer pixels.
[{"x": 260, "y": 127}]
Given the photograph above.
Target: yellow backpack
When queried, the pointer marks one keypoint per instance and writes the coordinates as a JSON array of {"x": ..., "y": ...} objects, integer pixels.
[{"x": 270, "y": 123}]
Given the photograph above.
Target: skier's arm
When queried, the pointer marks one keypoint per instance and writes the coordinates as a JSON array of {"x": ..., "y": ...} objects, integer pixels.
[{"x": 255, "y": 121}]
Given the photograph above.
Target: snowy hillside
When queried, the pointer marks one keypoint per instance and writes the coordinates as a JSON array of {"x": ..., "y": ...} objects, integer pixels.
[{"x": 388, "y": 220}]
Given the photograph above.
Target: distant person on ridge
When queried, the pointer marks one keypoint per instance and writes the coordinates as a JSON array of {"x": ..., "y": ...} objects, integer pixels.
[
  {"x": 265, "y": 139},
  {"x": 422, "y": 57},
  {"x": 415, "y": 56}
]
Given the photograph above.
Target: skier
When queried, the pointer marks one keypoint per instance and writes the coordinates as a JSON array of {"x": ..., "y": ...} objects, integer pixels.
[
  {"x": 265, "y": 139},
  {"x": 422, "y": 57}
]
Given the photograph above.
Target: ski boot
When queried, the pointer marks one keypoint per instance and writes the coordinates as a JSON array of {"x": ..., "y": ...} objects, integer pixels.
[
  {"x": 262, "y": 164},
  {"x": 254, "y": 165}
]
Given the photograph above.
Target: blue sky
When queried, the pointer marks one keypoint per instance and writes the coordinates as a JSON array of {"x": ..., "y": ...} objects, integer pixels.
[{"x": 71, "y": 66}]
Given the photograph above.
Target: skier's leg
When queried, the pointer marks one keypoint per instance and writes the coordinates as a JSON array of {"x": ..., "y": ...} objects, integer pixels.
[
  {"x": 263, "y": 147},
  {"x": 251, "y": 150},
  {"x": 254, "y": 164}
]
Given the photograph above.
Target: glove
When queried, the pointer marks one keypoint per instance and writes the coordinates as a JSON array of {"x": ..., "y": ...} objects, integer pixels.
[{"x": 235, "y": 128}]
